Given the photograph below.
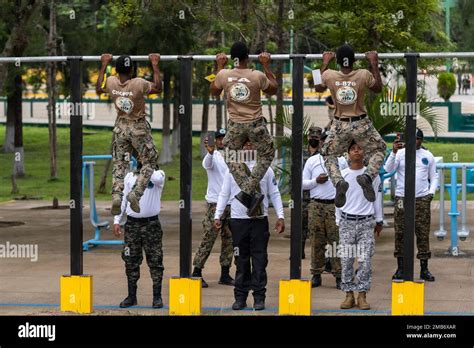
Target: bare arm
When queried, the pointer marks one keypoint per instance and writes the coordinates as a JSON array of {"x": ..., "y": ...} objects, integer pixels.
[
  {"x": 106, "y": 58},
  {"x": 373, "y": 59},
  {"x": 156, "y": 86},
  {"x": 221, "y": 59},
  {"x": 327, "y": 57},
  {"x": 264, "y": 59}
]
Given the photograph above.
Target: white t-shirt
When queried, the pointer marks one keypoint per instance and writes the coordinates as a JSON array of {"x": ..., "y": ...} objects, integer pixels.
[
  {"x": 268, "y": 188},
  {"x": 150, "y": 203},
  {"x": 356, "y": 204},
  {"x": 313, "y": 167},
  {"x": 216, "y": 169},
  {"x": 426, "y": 177}
]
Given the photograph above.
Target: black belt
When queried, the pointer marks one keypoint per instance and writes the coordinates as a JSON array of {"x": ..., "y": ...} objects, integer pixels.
[
  {"x": 351, "y": 119},
  {"x": 325, "y": 201},
  {"x": 356, "y": 217},
  {"x": 147, "y": 219}
]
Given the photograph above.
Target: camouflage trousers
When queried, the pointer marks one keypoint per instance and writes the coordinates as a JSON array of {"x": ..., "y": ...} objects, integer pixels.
[
  {"x": 341, "y": 135},
  {"x": 133, "y": 135},
  {"x": 323, "y": 229},
  {"x": 262, "y": 142},
  {"x": 356, "y": 240},
  {"x": 139, "y": 236},
  {"x": 422, "y": 226},
  {"x": 209, "y": 236},
  {"x": 305, "y": 219}
]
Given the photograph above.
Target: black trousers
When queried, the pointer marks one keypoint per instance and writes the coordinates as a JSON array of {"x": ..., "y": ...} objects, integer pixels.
[{"x": 250, "y": 241}]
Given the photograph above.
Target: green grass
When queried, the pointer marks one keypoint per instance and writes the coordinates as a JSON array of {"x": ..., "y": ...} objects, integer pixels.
[
  {"x": 96, "y": 142},
  {"x": 37, "y": 183}
]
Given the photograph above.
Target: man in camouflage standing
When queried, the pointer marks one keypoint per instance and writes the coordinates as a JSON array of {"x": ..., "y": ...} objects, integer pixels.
[
  {"x": 426, "y": 182},
  {"x": 243, "y": 87},
  {"x": 216, "y": 169},
  {"x": 313, "y": 138},
  {"x": 132, "y": 130},
  {"x": 142, "y": 232}
]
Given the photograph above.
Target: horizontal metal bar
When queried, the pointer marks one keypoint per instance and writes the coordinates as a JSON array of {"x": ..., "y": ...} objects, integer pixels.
[{"x": 43, "y": 59}]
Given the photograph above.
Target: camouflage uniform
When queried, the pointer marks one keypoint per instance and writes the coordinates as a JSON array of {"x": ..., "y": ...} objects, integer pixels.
[
  {"x": 422, "y": 226},
  {"x": 340, "y": 136},
  {"x": 209, "y": 237},
  {"x": 356, "y": 236},
  {"x": 322, "y": 224},
  {"x": 139, "y": 236},
  {"x": 262, "y": 141},
  {"x": 128, "y": 135}
]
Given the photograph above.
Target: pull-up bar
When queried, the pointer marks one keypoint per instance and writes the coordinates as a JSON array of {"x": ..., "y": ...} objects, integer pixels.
[
  {"x": 76, "y": 226},
  {"x": 43, "y": 59}
]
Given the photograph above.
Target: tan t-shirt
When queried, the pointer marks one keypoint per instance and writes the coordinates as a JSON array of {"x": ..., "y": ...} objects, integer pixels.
[
  {"x": 128, "y": 97},
  {"x": 242, "y": 88},
  {"x": 348, "y": 90}
]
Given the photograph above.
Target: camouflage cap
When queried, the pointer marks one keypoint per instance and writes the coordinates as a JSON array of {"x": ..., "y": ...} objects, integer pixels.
[{"x": 315, "y": 132}]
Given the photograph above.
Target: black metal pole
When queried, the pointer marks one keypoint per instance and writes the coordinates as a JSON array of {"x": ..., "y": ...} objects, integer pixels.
[
  {"x": 410, "y": 168},
  {"x": 75, "y": 144},
  {"x": 297, "y": 167},
  {"x": 186, "y": 116}
]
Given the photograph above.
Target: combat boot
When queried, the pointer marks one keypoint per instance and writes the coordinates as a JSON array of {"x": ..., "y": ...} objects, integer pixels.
[
  {"x": 349, "y": 302},
  {"x": 399, "y": 272},
  {"x": 239, "y": 304},
  {"x": 116, "y": 204},
  {"x": 134, "y": 202},
  {"x": 362, "y": 301},
  {"x": 365, "y": 181},
  {"x": 131, "y": 299},
  {"x": 157, "y": 301},
  {"x": 341, "y": 189},
  {"x": 424, "y": 273},
  {"x": 225, "y": 278},
  {"x": 197, "y": 272},
  {"x": 316, "y": 280}
]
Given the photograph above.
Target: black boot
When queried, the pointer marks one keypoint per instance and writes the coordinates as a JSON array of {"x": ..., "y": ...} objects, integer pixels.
[
  {"x": 131, "y": 299},
  {"x": 365, "y": 181},
  {"x": 316, "y": 280},
  {"x": 341, "y": 189},
  {"x": 255, "y": 205},
  {"x": 197, "y": 272},
  {"x": 259, "y": 304},
  {"x": 239, "y": 304},
  {"x": 226, "y": 279},
  {"x": 399, "y": 272},
  {"x": 157, "y": 301},
  {"x": 424, "y": 273},
  {"x": 303, "y": 255},
  {"x": 244, "y": 198}
]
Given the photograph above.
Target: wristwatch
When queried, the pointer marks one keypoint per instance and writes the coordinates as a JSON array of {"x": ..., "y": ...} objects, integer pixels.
[{"x": 379, "y": 223}]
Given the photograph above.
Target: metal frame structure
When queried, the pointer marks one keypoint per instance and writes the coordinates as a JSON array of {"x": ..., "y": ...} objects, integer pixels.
[{"x": 76, "y": 226}]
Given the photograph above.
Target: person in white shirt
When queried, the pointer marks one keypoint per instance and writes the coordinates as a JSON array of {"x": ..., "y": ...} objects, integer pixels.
[
  {"x": 321, "y": 215},
  {"x": 250, "y": 235},
  {"x": 142, "y": 231},
  {"x": 216, "y": 169},
  {"x": 426, "y": 182},
  {"x": 358, "y": 221}
]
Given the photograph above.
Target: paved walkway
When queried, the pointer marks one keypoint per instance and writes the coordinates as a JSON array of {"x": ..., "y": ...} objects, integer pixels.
[{"x": 33, "y": 287}]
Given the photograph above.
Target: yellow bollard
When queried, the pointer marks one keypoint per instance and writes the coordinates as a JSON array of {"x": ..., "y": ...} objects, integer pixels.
[
  {"x": 76, "y": 294},
  {"x": 295, "y": 297},
  {"x": 408, "y": 297},
  {"x": 185, "y": 296}
]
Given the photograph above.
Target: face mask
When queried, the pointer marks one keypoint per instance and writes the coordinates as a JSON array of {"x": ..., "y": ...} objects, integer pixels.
[{"x": 313, "y": 142}]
